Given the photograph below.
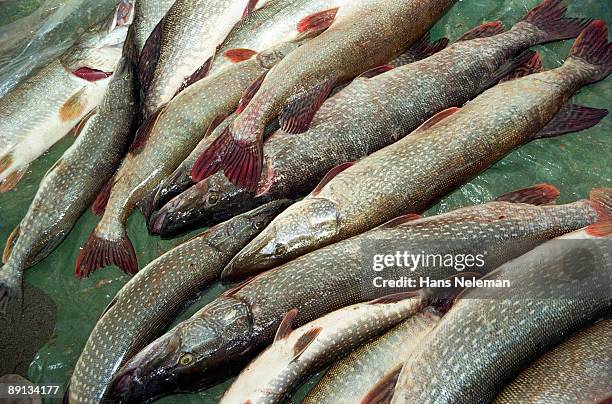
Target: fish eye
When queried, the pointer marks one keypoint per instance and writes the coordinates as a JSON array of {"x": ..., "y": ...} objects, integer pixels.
[
  {"x": 259, "y": 225},
  {"x": 185, "y": 359},
  {"x": 280, "y": 250},
  {"x": 213, "y": 198}
]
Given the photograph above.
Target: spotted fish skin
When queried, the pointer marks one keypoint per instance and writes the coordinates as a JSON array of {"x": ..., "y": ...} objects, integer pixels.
[
  {"x": 277, "y": 371},
  {"x": 153, "y": 298},
  {"x": 230, "y": 330},
  {"x": 148, "y": 13},
  {"x": 191, "y": 32},
  {"x": 409, "y": 175},
  {"x": 46, "y": 106},
  {"x": 576, "y": 371},
  {"x": 273, "y": 23},
  {"x": 489, "y": 335},
  {"x": 350, "y": 379},
  {"x": 71, "y": 185}
]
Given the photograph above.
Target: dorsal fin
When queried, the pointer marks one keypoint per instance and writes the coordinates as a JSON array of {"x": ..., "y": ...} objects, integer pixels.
[
  {"x": 238, "y": 55},
  {"x": 531, "y": 66},
  {"x": 330, "y": 175},
  {"x": 297, "y": 116},
  {"x": 400, "y": 220},
  {"x": 286, "y": 326},
  {"x": 485, "y": 30},
  {"x": 437, "y": 118},
  {"x": 318, "y": 21},
  {"x": 215, "y": 123}
]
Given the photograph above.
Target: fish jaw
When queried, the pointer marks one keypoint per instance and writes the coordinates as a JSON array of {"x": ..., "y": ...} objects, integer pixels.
[
  {"x": 303, "y": 227},
  {"x": 195, "y": 354}
]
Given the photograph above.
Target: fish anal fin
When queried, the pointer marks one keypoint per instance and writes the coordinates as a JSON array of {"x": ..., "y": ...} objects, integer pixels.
[
  {"x": 149, "y": 56},
  {"x": 304, "y": 341},
  {"x": 144, "y": 131},
  {"x": 218, "y": 120},
  {"x": 507, "y": 68},
  {"x": 400, "y": 220},
  {"x": 382, "y": 391},
  {"x": 422, "y": 49},
  {"x": 10, "y": 243},
  {"x": 238, "y": 55},
  {"x": 572, "y": 118},
  {"x": 286, "y": 326},
  {"x": 485, "y": 30},
  {"x": 196, "y": 76},
  {"x": 101, "y": 200},
  {"x": 330, "y": 175},
  {"x": 436, "y": 119},
  {"x": 297, "y": 116},
  {"x": 531, "y": 66},
  {"x": 318, "y": 22},
  {"x": 540, "y": 194},
  {"x": 250, "y": 92}
]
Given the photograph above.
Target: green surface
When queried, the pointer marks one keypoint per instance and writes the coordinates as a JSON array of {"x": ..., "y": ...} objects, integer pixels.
[{"x": 574, "y": 163}]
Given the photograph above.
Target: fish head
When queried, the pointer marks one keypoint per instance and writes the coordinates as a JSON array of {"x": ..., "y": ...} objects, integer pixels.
[
  {"x": 205, "y": 204},
  {"x": 197, "y": 353},
  {"x": 303, "y": 227},
  {"x": 101, "y": 47}
]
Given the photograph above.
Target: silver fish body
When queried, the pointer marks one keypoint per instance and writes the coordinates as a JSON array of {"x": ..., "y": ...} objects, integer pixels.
[
  {"x": 71, "y": 185},
  {"x": 148, "y": 13},
  {"x": 491, "y": 334},
  {"x": 350, "y": 379},
  {"x": 152, "y": 299}
]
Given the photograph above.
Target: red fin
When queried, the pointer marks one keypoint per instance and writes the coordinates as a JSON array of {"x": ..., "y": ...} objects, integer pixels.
[
  {"x": 196, "y": 76},
  {"x": 250, "y": 92},
  {"x": 593, "y": 47},
  {"x": 304, "y": 341},
  {"x": 233, "y": 291},
  {"x": 330, "y": 175},
  {"x": 88, "y": 74},
  {"x": 531, "y": 66},
  {"x": 508, "y": 68},
  {"x": 243, "y": 164},
  {"x": 376, "y": 71},
  {"x": 149, "y": 57},
  {"x": 239, "y": 54},
  {"x": 572, "y": 118},
  {"x": 549, "y": 18},
  {"x": 437, "y": 118},
  {"x": 318, "y": 21},
  {"x": 211, "y": 160},
  {"x": 250, "y": 7},
  {"x": 601, "y": 200},
  {"x": 98, "y": 253},
  {"x": 297, "y": 116},
  {"x": 286, "y": 326},
  {"x": 485, "y": 30},
  {"x": 400, "y": 220},
  {"x": 540, "y": 194},
  {"x": 382, "y": 392},
  {"x": 99, "y": 204},
  {"x": 421, "y": 49},
  {"x": 10, "y": 243},
  {"x": 395, "y": 297},
  {"x": 600, "y": 229},
  {"x": 11, "y": 181},
  {"x": 143, "y": 133}
]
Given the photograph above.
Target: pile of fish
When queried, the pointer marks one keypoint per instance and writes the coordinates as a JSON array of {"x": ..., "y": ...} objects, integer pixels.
[{"x": 310, "y": 136}]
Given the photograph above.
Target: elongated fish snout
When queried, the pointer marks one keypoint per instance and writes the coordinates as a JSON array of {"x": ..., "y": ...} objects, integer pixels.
[{"x": 252, "y": 260}]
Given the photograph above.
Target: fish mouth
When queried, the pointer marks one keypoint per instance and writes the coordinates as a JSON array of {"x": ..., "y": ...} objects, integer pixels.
[{"x": 247, "y": 264}]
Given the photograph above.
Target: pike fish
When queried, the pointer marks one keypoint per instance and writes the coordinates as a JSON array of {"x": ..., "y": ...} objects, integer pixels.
[
  {"x": 153, "y": 298},
  {"x": 446, "y": 151},
  {"x": 372, "y": 113},
  {"x": 579, "y": 370},
  {"x": 148, "y": 13},
  {"x": 273, "y": 23},
  {"x": 295, "y": 354},
  {"x": 193, "y": 207},
  {"x": 46, "y": 106},
  {"x": 71, "y": 185},
  {"x": 491, "y": 333},
  {"x": 183, "y": 44},
  {"x": 359, "y": 37},
  {"x": 361, "y": 376},
  {"x": 234, "y": 327},
  {"x": 160, "y": 145}
]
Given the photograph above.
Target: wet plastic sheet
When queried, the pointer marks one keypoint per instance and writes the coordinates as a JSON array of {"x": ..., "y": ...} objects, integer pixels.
[{"x": 574, "y": 163}]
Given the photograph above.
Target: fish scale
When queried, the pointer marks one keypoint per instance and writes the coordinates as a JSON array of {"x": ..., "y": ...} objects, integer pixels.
[
  {"x": 237, "y": 325},
  {"x": 366, "y": 116},
  {"x": 147, "y": 15},
  {"x": 276, "y": 372},
  {"x": 488, "y": 336},
  {"x": 411, "y": 174},
  {"x": 579, "y": 370},
  {"x": 153, "y": 298},
  {"x": 349, "y": 380}
]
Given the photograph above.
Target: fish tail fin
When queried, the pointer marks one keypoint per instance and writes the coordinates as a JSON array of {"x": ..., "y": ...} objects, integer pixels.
[
  {"x": 99, "y": 252},
  {"x": 601, "y": 200},
  {"x": 549, "y": 18},
  {"x": 592, "y": 47},
  {"x": 11, "y": 287}
]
